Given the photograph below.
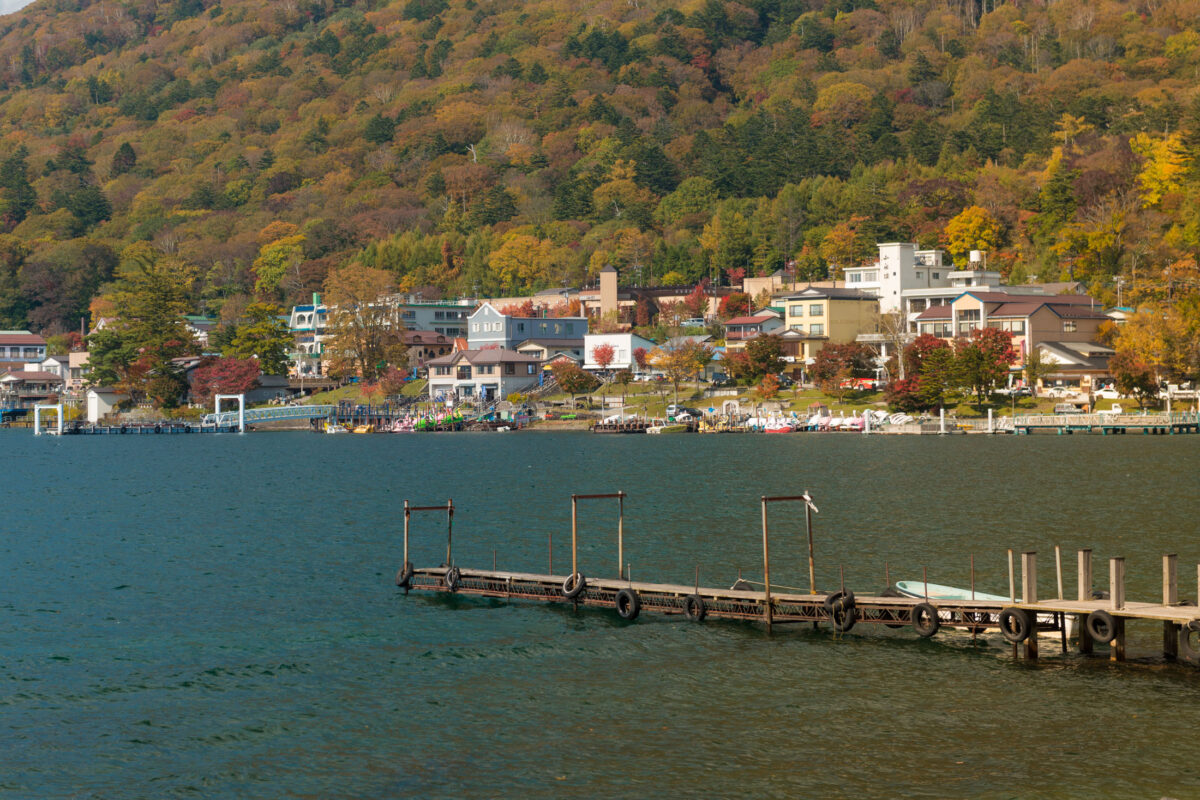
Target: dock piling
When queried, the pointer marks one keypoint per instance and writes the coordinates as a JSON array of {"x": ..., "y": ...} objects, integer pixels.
[
  {"x": 1170, "y": 598},
  {"x": 1084, "y": 581},
  {"x": 1058, "y": 569},
  {"x": 766, "y": 568},
  {"x": 1012, "y": 580},
  {"x": 1029, "y": 594},
  {"x": 1116, "y": 593}
]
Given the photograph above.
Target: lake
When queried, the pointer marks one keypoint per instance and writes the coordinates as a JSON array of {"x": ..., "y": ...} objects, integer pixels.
[{"x": 216, "y": 616}]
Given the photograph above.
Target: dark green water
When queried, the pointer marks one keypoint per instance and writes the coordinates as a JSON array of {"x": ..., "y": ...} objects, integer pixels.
[{"x": 215, "y": 616}]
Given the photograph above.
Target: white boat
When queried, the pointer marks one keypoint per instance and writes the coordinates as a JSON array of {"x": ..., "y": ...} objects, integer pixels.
[{"x": 936, "y": 591}]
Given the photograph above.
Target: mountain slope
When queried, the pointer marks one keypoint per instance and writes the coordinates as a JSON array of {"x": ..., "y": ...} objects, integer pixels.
[{"x": 496, "y": 147}]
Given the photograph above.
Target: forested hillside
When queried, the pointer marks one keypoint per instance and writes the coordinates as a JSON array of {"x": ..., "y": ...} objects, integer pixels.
[{"x": 497, "y": 147}]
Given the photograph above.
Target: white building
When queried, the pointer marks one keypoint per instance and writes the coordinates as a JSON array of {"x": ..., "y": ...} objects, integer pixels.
[
  {"x": 623, "y": 345},
  {"x": 487, "y": 375},
  {"x": 101, "y": 400}
]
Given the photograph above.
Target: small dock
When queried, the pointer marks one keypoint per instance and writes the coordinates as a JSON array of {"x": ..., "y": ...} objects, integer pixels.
[
  {"x": 149, "y": 428},
  {"x": 1093, "y": 619},
  {"x": 1153, "y": 424}
]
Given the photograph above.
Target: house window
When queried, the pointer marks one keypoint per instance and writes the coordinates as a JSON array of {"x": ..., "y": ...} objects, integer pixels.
[
  {"x": 485, "y": 369},
  {"x": 1068, "y": 326},
  {"x": 544, "y": 327},
  {"x": 816, "y": 309},
  {"x": 510, "y": 369},
  {"x": 919, "y": 275},
  {"x": 464, "y": 373},
  {"x": 529, "y": 369},
  {"x": 521, "y": 327},
  {"x": 441, "y": 370},
  {"x": 816, "y": 329},
  {"x": 796, "y": 311},
  {"x": 936, "y": 276},
  {"x": 475, "y": 327},
  {"x": 558, "y": 328},
  {"x": 797, "y": 327}
]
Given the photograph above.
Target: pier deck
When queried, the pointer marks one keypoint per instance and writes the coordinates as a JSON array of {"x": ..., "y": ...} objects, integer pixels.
[{"x": 1091, "y": 619}]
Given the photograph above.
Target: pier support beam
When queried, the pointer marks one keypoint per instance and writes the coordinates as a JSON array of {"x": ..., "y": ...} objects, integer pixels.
[
  {"x": 1170, "y": 598},
  {"x": 1029, "y": 594},
  {"x": 1116, "y": 592},
  {"x": 1085, "y": 594}
]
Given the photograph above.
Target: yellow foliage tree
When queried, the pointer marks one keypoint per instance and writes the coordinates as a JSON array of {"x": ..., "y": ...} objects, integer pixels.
[
  {"x": 1166, "y": 163},
  {"x": 973, "y": 229},
  {"x": 520, "y": 259}
]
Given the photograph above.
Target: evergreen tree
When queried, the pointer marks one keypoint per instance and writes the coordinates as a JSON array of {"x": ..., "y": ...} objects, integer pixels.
[{"x": 123, "y": 160}]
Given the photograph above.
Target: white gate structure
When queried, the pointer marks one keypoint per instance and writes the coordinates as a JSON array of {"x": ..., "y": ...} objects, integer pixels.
[
  {"x": 37, "y": 418},
  {"x": 241, "y": 398}
]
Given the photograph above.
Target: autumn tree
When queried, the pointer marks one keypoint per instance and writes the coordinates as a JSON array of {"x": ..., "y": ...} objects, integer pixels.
[
  {"x": 734, "y": 305},
  {"x": 224, "y": 376},
  {"x": 973, "y": 229},
  {"x": 641, "y": 357},
  {"x": 365, "y": 334},
  {"x": 837, "y": 365},
  {"x": 681, "y": 362},
  {"x": 572, "y": 378},
  {"x": 603, "y": 355},
  {"x": 983, "y": 360},
  {"x": 1133, "y": 377}
]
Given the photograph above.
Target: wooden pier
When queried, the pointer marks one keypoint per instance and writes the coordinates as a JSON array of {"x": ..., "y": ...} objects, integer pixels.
[
  {"x": 1087, "y": 620},
  {"x": 1108, "y": 424}
]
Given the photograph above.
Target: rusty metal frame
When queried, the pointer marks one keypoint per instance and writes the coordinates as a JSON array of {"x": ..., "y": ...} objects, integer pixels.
[
  {"x": 448, "y": 508},
  {"x": 575, "y": 498}
]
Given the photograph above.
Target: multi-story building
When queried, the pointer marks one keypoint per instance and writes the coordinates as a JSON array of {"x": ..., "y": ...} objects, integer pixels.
[
  {"x": 820, "y": 316},
  {"x": 18, "y": 348},
  {"x": 487, "y": 327},
  {"x": 486, "y": 375}
]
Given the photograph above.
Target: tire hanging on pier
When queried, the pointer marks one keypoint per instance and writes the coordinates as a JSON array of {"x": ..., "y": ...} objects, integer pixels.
[
  {"x": 629, "y": 604},
  {"x": 841, "y": 610},
  {"x": 453, "y": 578},
  {"x": 404, "y": 576},
  {"x": 1189, "y": 648},
  {"x": 1015, "y": 625},
  {"x": 1101, "y": 626},
  {"x": 693, "y": 608},
  {"x": 925, "y": 620},
  {"x": 574, "y": 585}
]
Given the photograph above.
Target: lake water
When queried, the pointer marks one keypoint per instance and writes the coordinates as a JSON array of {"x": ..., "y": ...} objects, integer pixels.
[{"x": 215, "y": 616}]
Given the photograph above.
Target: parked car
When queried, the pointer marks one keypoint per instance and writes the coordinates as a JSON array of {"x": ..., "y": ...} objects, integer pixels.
[
  {"x": 1107, "y": 393},
  {"x": 1015, "y": 391},
  {"x": 693, "y": 322},
  {"x": 1060, "y": 391},
  {"x": 785, "y": 380}
]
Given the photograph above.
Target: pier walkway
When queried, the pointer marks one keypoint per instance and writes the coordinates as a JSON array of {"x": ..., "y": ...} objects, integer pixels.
[
  {"x": 269, "y": 414},
  {"x": 1022, "y": 619},
  {"x": 1105, "y": 424}
]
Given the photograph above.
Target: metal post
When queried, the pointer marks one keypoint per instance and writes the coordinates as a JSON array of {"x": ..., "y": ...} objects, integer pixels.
[
  {"x": 991, "y": 429},
  {"x": 449, "y": 529},
  {"x": 1085, "y": 594},
  {"x": 574, "y": 536},
  {"x": 766, "y": 567},
  {"x": 407, "y": 514},
  {"x": 621, "y": 532},
  {"x": 1012, "y": 580},
  {"x": 812, "y": 568},
  {"x": 942, "y": 420},
  {"x": 972, "y": 576}
]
